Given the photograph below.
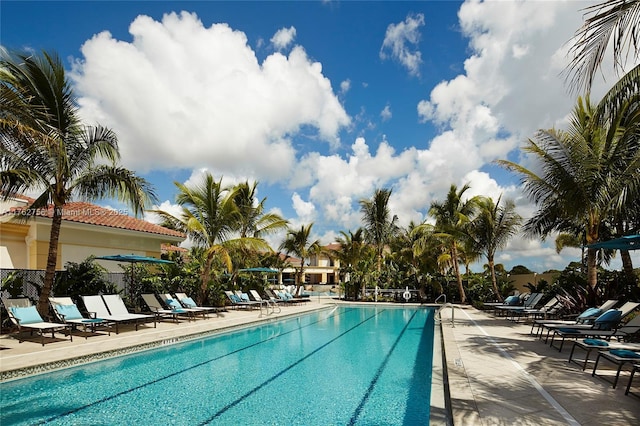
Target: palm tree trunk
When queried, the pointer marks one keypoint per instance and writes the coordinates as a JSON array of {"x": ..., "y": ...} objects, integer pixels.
[
  {"x": 50, "y": 271},
  {"x": 592, "y": 273},
  {"x": 456, "y": 268},
  {"x": 627, "y": 266},
  {"x": 494, "y": 281},
  {"x": 204, "y": 284}
]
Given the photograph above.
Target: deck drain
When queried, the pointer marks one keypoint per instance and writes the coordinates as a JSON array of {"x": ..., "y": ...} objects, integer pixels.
[{"x": 458, "y": 362}]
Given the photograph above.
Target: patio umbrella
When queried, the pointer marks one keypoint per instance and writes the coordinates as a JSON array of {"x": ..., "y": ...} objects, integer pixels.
[
  {"x": 628, "y": 242},
  {"x": 259, "y": 269}
]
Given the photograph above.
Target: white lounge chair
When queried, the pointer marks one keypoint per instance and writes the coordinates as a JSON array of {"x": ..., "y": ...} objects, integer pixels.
[
  {"x": 67, "y": 312},
  {"x": 174, "y": 303},
  {"x": 23, "y": 314},
  {"x": 160, "y": 311},
  {"x": 188, "y": 302},
  {"x": 111, "y": 308}
]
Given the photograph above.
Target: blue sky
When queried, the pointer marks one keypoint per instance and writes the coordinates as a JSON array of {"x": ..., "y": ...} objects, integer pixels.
[{"x": 320, "y": 102}]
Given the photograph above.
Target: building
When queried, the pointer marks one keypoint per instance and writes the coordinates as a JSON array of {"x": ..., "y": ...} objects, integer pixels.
[{"x": 87, "y": 229}]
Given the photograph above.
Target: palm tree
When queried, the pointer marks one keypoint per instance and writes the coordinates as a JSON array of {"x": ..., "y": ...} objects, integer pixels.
[
  {"x": 452, "y": 219},
  {"x": 209, "y": 217},
  {"x": 297, "y": 242},
  {"x": 253, "y": 220},
  {"x": 351, "y": 251},
  {"x": 44, "y": 147},
  {"x": 611, "y": 18},
  {"x": 589, "y": 172},
  {"x": 491, "y": 229},
  {"x": 379, "y": 225}
]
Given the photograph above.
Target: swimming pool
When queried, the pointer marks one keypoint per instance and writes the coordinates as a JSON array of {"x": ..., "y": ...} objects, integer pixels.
[{"x": 348, "y": 365}]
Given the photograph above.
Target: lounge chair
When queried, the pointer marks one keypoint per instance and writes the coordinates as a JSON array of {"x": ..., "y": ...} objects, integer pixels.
[
  {"x": 237, "y": 302},
  {"x": 620, "y": 331},
  {"x": 591, "y": 345},
  {"x": 188, "y": 302},
  {"x": 269, "y": 304},
  {"x": 585, "y": 317},
  {"x": 636, "y": 369},
  {"x": 67, "y": 312},
  {"x": 513, "y": 300},
  {"x": 285, "y": 295},
  {"x": 551, "y": 309},
  {"x": 154, "y": 305},
  {"x": 618, "y": 357},
  {"x": 110, "y": 307},
  {"x": 276, "y": 297},
  {"x": 24, "y": 315},
  {"x": 518, "y": 312},
  {"x": 174, "y": 303},
  {"x": 530, "y": 303}
]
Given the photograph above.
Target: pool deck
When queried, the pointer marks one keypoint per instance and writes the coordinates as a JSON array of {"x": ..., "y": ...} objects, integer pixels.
[{"x": 498, "y": 373}]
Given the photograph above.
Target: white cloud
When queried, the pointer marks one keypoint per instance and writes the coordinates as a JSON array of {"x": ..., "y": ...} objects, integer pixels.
[
  {"x": 283, "y": 38},
  {"x": 345, "y": 86},
  {"x": 182, "y": 95},
  {"x": 400, "y": 43},
  {"x": 386, "y": 114}
]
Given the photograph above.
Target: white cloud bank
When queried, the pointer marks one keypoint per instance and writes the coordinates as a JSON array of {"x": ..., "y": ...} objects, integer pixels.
[
  {"x": 181, "y": 95},
  {"x": 184, "y": 96}
]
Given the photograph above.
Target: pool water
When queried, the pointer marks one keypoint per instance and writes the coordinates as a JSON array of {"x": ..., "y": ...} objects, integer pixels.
[{"x": 348, "y": 365}]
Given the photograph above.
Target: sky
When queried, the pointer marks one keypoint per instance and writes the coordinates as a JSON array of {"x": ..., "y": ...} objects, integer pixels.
[{"x": 321, "y": 102}]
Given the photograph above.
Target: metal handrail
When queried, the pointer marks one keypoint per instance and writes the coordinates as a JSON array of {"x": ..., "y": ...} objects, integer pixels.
[{"x": 442, "y": 295}]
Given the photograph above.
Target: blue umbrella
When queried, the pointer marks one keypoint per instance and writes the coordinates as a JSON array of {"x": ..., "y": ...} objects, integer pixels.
[
  {"x": 259, "y": 269},
  {"x": 133, "y": 258},
  {"x": 628, "y": 242}
]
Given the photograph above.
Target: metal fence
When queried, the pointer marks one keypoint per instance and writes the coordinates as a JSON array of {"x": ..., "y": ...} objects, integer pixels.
[{"x": 32, "y": 280}]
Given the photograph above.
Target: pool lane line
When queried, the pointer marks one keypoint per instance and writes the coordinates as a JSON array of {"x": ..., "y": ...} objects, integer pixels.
[
  {"x": 376, "y": 377},
  {"x": 546, "y": 395},
  {"x": 172, "y": 375},
  {"x": 277, "y": 375}
]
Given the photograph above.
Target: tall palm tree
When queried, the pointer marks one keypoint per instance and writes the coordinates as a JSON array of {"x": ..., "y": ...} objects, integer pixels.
[
  {"x": 590, "y": 171},
  {"x": 491, "y": 230},
  {"x": 619, "y": 19},
  {"x": 452, "y": 220},
  {"x": 379, "y": 225},
  {"x": 253, "y": 221},
  {"x": 209, "y": 217},
  {"x": 44, "y": 147},
  {"x": 298, "y": 243}
]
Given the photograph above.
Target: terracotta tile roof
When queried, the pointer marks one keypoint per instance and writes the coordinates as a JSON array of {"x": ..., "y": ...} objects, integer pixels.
[
  {"x": 92, "y": 214},
  {"x": 333, "y": 246}
]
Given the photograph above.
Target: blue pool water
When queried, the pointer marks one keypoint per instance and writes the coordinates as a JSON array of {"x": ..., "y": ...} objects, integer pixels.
[{"x": 359, "y": 366}]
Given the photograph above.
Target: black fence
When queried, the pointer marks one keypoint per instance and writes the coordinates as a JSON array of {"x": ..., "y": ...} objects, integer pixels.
[{"x": 32, "y": 280}]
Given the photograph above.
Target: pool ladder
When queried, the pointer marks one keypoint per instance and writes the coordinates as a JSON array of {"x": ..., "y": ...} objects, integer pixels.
[
  {"x": 269, "y": 308},
  {"x": 445, "y": 305}
]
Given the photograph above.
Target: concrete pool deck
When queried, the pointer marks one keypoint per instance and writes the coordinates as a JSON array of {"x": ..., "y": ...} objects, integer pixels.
[{"x": 498, "y": 374}]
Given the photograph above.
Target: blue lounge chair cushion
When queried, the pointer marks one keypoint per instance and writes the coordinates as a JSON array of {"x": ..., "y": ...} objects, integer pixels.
[
  {"x": 235, "y": 298},
  {"x": 188, "y": 302},
  {"x": 608, "y": 320},
  {"x": 624, "y": 353},
  {"x": 174, "y": 304},
  {"x": 568, "y": 330},
  {"x": 26, "y": 315},
  {"x": 69, "y": 312},
  {"x": 245, "y": 297},
  {"x": 595, "y": 342},
  {"x": 512, "y": 300},
  {"x": 590, "y": 312}
]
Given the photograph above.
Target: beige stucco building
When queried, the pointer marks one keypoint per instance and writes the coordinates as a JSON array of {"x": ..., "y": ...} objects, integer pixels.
[{"x": 87, "y": 229}]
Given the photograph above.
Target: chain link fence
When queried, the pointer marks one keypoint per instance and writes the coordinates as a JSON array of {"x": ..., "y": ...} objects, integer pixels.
[{"x": 33, "y": 279}]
